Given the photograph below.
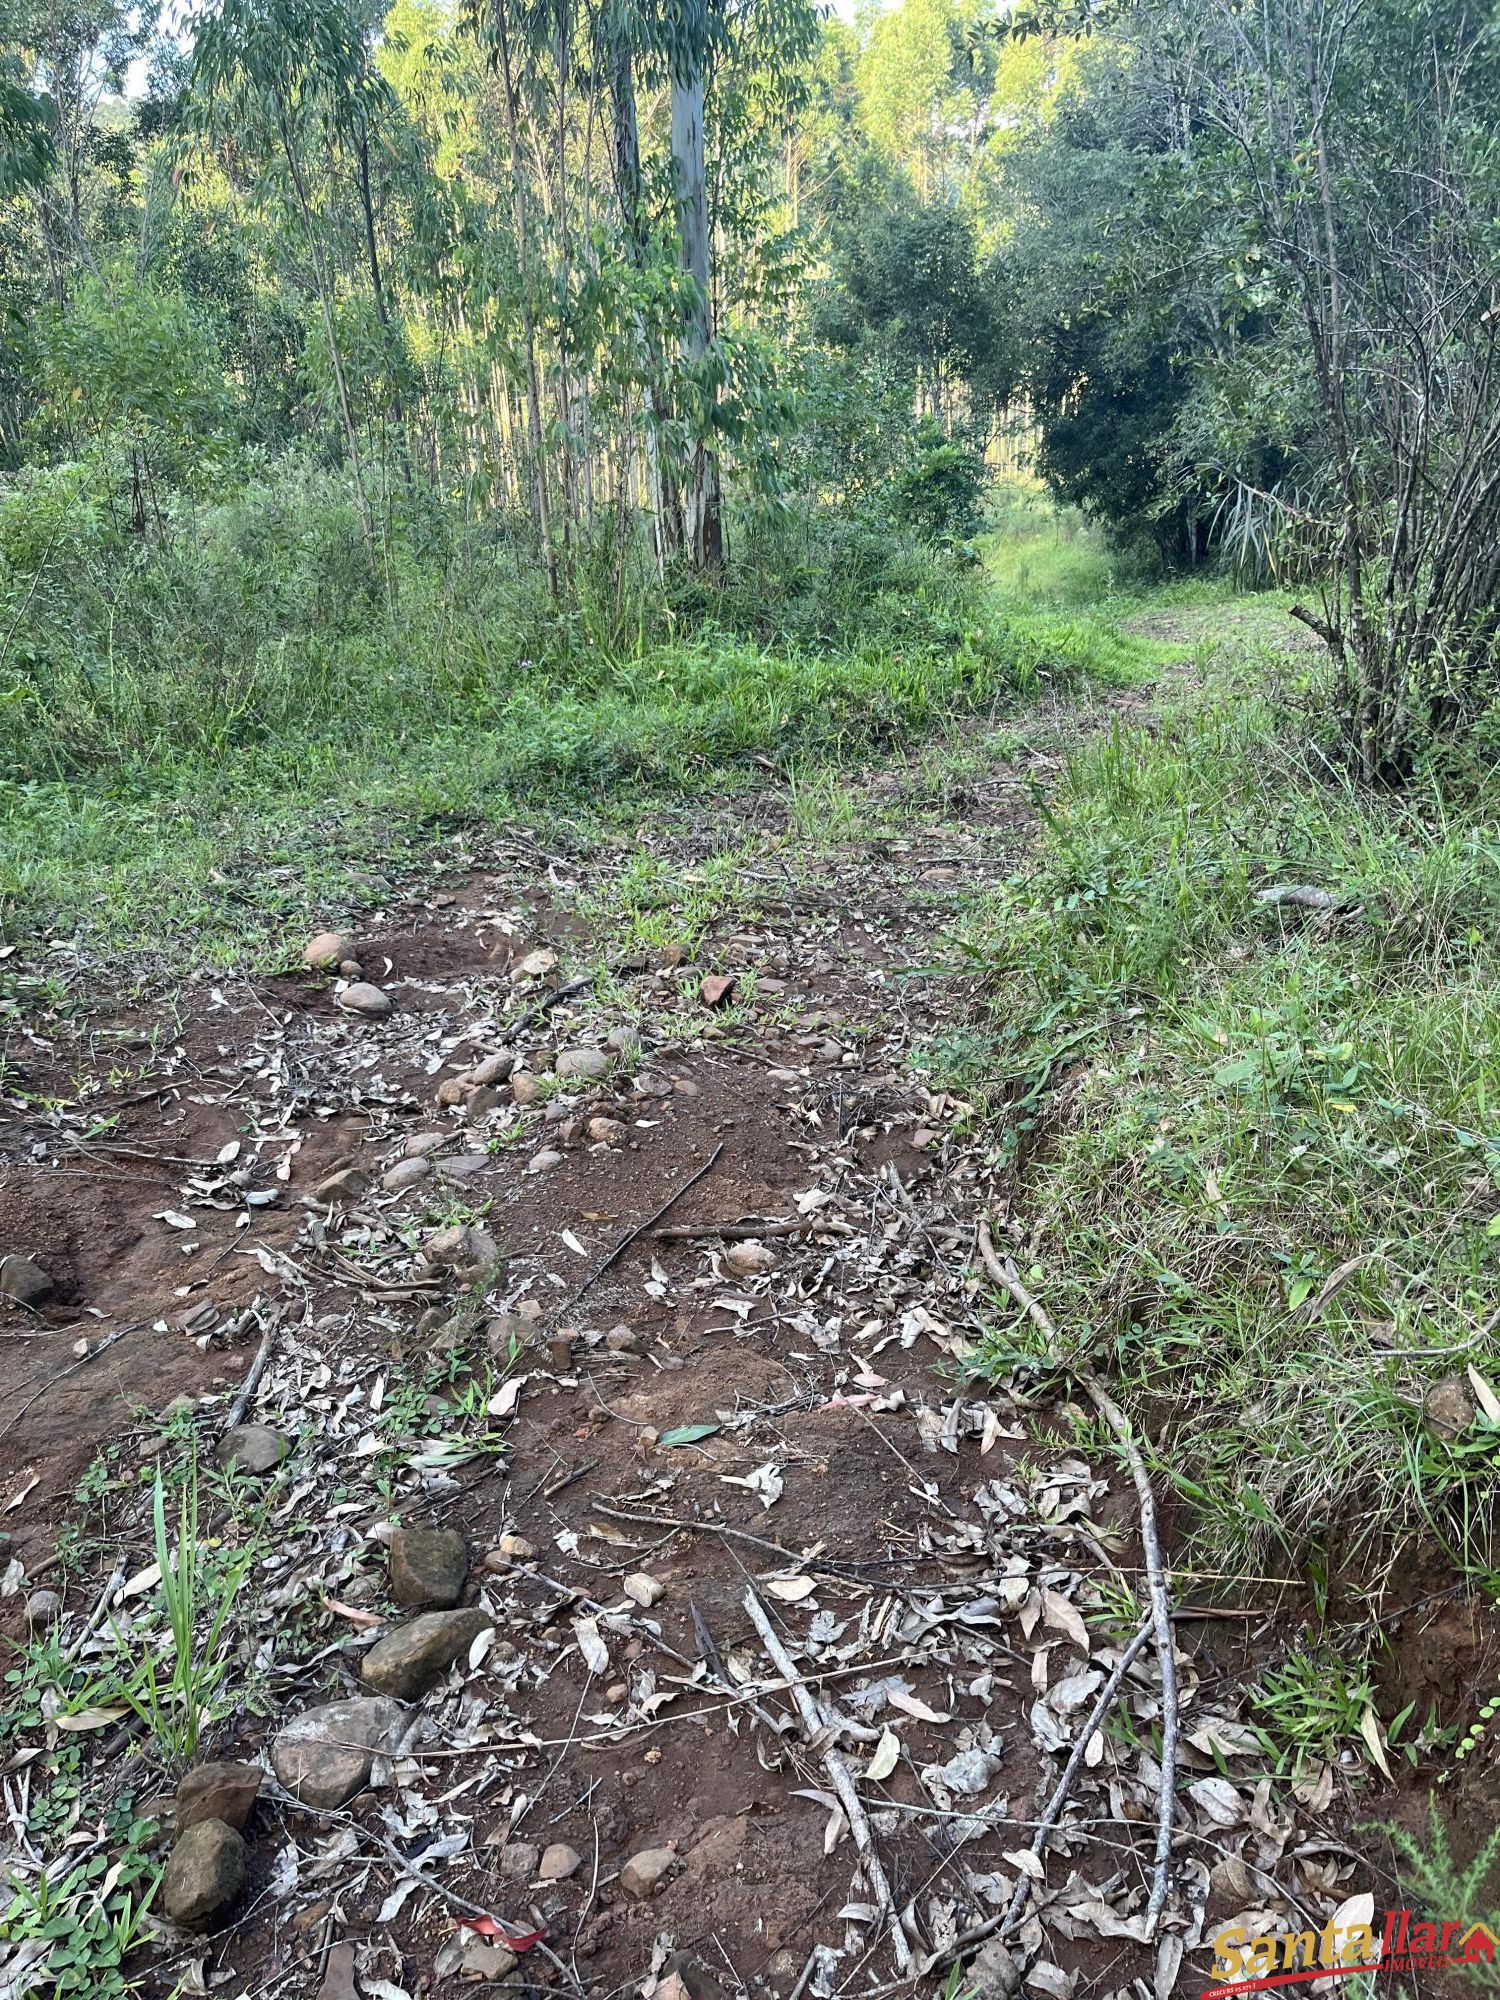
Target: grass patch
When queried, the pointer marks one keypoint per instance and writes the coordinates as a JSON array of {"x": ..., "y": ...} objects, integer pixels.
[
  {"x": 1259, "y": 1144},
  {"x": 205, "y": 737}
]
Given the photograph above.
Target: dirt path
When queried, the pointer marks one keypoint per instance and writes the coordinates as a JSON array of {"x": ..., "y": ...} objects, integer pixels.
[{"x": 470, "y": 1322}]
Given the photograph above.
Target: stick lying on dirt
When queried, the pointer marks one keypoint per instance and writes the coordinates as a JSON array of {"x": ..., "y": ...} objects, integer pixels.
[
  {"x": 640, "y": 1230},
  {"x": 1005, "y": 1275},
  {"x": 253, "y": 1374},
  {"x": 838, "y": 1774},
  {"x": 1064, "y": 1784}
]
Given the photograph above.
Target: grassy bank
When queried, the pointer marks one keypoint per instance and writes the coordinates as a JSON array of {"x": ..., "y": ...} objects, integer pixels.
[{"x": 1255, "y": 1137}]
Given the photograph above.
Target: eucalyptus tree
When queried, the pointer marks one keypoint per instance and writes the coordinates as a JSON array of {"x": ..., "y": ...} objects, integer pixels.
[{"x": 299, "y": 72}]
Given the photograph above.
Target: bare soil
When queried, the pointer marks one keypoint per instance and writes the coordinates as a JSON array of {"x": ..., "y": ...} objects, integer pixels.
[{"x": 928, "y": 1544}]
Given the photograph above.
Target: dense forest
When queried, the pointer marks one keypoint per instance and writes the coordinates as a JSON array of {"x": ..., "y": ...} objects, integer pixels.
[{"x": 626, "y": 303}]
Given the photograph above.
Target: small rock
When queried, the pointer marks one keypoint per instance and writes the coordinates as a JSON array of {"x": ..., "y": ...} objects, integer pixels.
[
  {"x": 535, "y": 965},
  {"x": 625, "y": 1340},
  {"x": 350, "y": 968},
  {"x": 607, "y": 1132},
  {"x": 342, "y": 1188},
  {"x": 43, "y": 1607},
  {"x": 717, "y": 989},
  {"x": 642, "y": 1872},
  {"x": 223, "y": 1792},
  {"x": 204, "y": 1874},
  {"x": 488, "y": 1962},
  {"x": 748, "y": 1260},
  {"x": 507, "y": 1335},
  {"x": 362, "y": 998},
  {"x": 525, "y": 1088},
  {"x": 1449, "y": 1407},
  {"x": 428, "y": 1566},
  {"x": 452, "y": 1090},
  {"x": 463, "y": 1247},
  {"x": 992, "y": 1973},
  {"x": 583, "y": 1065},
  {"x": 544, "y": 1161},
  {"x": 492, "y": 1069},
  {"x": 413, "y": 1658},
  {"x": 644, "y": 1589},
  {"x": 624, "y": 1041},
  {"x": 463, "y": 1166},
  {"x": 519, "y": 1861},
  {"x": 405, "y": 1174},
  {"x": 24, "y": 1281},
  {"x": 510, "y": 1549},
  {"x": 479, "y": 1102},
  {"x": 560, "y": 1353},
  {"x": 327, "y": 950},
  {"x": 251, "y": 1448},
  {"x": 325, "y": 1755},
  {"x": 684, "y": 1086},
  {"x": 559, "y": 1862},
  {"x": 421, "y": 1144}
]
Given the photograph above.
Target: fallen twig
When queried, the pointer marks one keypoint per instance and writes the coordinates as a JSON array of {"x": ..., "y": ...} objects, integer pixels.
[
  {"x": 253, "y": 1374},
  {"x": 838, "y": 1774},
  {"x": 730, "y": 1232},
  {"x": 641, "y": 1228},
  {"x": 1064, "y": 1785},
  {"x": 1006, "y": 1276}
]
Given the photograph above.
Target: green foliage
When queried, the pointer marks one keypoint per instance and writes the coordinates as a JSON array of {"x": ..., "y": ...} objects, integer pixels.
[
  {"x": 262, "y": 656},
  {"x": 939, "y": 494},
  {"x": 87, "y": 1915},
  {"x": 1217, "y": 1103},
  {"x": 176, "y": 1694}
]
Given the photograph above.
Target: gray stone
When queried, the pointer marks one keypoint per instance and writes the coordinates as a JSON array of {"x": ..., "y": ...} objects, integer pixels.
[
  {"x": 624, "y": 1041},
  {"x": 607, "y": 1132},
  {"x": 363, "y": 998},
  {"x": 992, "y": 1973},
  {"x": 420, "y": 1144},
  {"x": 643, "y": 1872},
  {"x": 406, "y": 1174},
  {"x": 251, "y": 1448},
  {"x": 491, "y": 1069},
  {"x": 544, "y": 1161},
  {"x": 625, "y": 1340},
  {"x": 43, "y": 1607},
  {"x": 582, "y": 1065},
  {"x": 519, "y": 1861},
  {"x": 342, "y": 1188},
  {"x": 428, "y": 1566},
  {"x": 487, "y": 1962},
  {"x": 413, "y": 1658},
  {"x": 463, "y": 1166},
  {"x": 325, "y": 1755},
  {"x": 479, "y": 1102},
  {"x": 204, "y": 1873},
  {"x": 525, "y": 1088},
  {"x": 24, "y": 1281},
  {"x": 224, "y": 1792},
  {"x": 462, "y": 1248}
]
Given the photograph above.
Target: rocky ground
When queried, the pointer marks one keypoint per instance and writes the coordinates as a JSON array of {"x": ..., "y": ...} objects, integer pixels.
[{"x": 612, "y": 1575}]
